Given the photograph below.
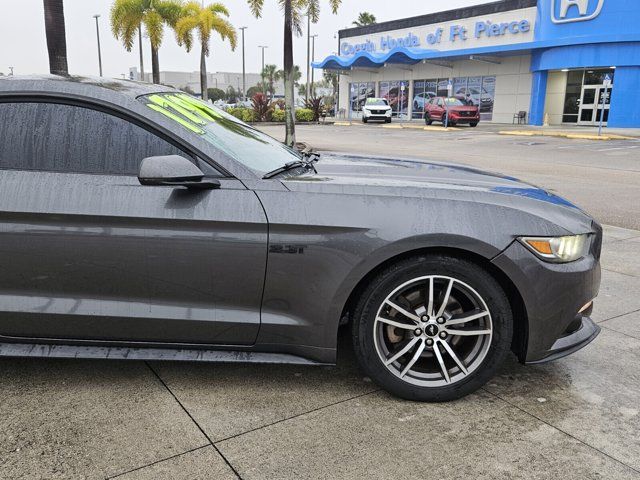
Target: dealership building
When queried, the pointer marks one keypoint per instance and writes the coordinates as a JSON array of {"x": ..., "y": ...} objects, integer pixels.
[{"x": 565, "y": 62}]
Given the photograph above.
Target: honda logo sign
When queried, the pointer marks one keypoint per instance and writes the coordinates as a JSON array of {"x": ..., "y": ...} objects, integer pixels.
[{"x": 567, "y": 11}]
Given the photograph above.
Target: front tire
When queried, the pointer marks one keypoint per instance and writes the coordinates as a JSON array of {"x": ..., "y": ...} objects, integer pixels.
[
  {"x": 427, "y": 119},
  {"x": 364, "y": 120},
  {"x": 409, "y": 335},
  {"x": 387, "y": 120},
  {"x": 473, "y": 124}
]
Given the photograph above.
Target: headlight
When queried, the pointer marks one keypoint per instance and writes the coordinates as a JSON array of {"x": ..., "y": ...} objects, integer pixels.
[{"x": 558, "y": 249}]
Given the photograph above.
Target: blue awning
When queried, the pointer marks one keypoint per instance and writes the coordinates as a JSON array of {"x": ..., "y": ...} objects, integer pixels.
[{"x": 411, "y": 56}]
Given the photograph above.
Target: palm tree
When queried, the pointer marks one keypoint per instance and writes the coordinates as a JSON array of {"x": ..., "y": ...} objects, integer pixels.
[
  {"x": 293, "y": 10},
  {"x": 271, "y": 75},
  {"x": 128, "y": 15},
  {"x": 204, "y": 20},
  {"x": 365, "y": 18},
  {"x": 56, "y": 37},
  {"x": 295, "y": 76}
]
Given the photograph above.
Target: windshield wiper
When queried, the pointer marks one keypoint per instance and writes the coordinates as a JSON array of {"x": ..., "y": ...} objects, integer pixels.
[
  {"x": 311, "y": 156},
  {"x": 290, "y": 166}
]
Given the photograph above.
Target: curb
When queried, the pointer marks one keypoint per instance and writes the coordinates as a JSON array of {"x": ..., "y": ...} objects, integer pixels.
[
  {"x": 400, "y": 126},
  {"x": 572, "y": 136}
]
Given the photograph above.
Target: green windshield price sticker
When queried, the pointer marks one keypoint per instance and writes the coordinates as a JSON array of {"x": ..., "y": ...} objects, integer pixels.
[
  {"x": 176, "y": 118},
  {"x": 165, "y": 102}
]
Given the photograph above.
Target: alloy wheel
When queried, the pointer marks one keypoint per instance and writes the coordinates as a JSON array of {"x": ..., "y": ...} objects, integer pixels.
[{"x": 433, "y": 331}]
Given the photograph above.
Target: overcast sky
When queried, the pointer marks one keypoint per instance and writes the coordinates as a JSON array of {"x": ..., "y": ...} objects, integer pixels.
[{"x": 23, "y": 45}]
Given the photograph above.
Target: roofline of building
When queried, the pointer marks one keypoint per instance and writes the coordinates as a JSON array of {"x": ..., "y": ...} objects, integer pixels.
[{"x": 438, "y": 17}]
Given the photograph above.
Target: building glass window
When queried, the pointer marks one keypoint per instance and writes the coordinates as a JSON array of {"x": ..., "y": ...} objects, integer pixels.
[
  {"x": 423, "y": 91},
  {"x": 397, "y": 97},
  {"x": 359, "y": 93},
  {"x": 596, "y": 77},
  {"x": 470, "y": 90}
]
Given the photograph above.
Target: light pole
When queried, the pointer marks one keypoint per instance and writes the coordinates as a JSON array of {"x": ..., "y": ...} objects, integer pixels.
[
  {"x": 244, "y": 79},
  {"x": 97, "y": 16},
  {"x": 11, "y": 73},
  {"x": 313, "y": 58},
  {"x": 262, "y": 71},
  {"x": 308, "y": 50}
]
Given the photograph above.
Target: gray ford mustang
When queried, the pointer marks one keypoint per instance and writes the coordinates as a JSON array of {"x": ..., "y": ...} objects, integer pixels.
[{"x": 139, "y": 222}]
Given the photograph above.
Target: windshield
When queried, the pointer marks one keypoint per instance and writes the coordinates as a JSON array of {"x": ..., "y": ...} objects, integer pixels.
[
  {"x": 379, "y": 102},
  {"x": 451, "y": 101},
  {"x": 242, "y": 142}
]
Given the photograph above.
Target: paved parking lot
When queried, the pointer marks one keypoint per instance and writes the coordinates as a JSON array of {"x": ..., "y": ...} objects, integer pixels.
[
  {"x": 576, "y": 418},
  {"x": 603, "y": 177}
]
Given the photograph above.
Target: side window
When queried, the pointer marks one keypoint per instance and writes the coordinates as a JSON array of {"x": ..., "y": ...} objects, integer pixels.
[
  {"x": 440, "y": 103},
  {"x": 65, "y": 138}
]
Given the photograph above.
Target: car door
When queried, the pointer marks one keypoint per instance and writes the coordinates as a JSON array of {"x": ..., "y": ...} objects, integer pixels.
[{"x": 89, "y": 254}]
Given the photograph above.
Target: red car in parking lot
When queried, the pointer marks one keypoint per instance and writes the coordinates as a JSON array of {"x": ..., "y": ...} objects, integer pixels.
[{"x": 459, "y": 112}]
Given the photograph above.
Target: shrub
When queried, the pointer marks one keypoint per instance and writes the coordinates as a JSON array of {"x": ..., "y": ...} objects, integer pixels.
[
  {"x": 304, "y": 115},
  {"x": 277, "y": 115},
  {"x": 248, "y": 115},
  {"x": 315, "y": 105},
  {"x": 236, "y": 112},
  {"x": 216, "y": 94},
  {"x": 262, "y": 109}
]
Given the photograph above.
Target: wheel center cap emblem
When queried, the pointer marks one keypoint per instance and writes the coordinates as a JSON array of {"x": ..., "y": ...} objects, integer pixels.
[{"x": 432, "y": 330}]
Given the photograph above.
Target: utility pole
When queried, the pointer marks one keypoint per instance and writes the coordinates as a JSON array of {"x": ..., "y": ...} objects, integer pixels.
[
  {"x": 141, "y": 56},
  {"x": 262, "y": 71},
  {"x": 244, "y": 79},
  {"x": 308, "y": 51},
  {"x": 97, "y": 16},
  {"x": 313, "y": 59}
]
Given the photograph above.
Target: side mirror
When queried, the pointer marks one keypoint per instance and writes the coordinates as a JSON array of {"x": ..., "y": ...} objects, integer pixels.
[{"x": 173, "y": 171}]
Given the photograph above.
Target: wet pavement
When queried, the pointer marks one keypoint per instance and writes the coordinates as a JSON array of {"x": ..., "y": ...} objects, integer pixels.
[
  {"x": 578, "y": 417},
  {"x": 601, "y": 177}
]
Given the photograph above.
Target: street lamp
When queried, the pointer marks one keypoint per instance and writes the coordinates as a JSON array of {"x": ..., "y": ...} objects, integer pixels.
[
  {"x": 97, "y": 16},
  {"x": 244, "y": 80},
  {"x": 313, "y": 58},
  {"x": 262, "y": 71},
  {"x": 308, "y": 49}
]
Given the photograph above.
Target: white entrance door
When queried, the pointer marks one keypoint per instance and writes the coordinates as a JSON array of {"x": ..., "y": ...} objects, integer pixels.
[{"x": 591, "y": 105}]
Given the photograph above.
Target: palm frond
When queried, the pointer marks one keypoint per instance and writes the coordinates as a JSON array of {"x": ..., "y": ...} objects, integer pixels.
[
  {"x": 153, "y": 23},
  {"x": 256, "y": 7},
  {"x": 313, "y": 10},
  {"x": 169, "y": 10},
  {"x": 125, "y": 16},
  {"x": 184, "y": 31},
  {"x": 218, "y": 8}
]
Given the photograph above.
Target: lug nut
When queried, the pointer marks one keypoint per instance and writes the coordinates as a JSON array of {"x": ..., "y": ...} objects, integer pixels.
[
  {"x": 443, "y": 334},
  {"x": 440, "y": 320},
  {"x": 429, "y": 342},
  {"x": 417, "y": 332},
  {"x": 425, "y": 318}
]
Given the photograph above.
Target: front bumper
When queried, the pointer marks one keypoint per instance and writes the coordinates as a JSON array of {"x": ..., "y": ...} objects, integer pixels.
[
  {"x": 573, "y": 342},
  {"x": 369, "y": 115},
  {"x": 464, "y": 119},
  {"x": 553, "y": 295}
]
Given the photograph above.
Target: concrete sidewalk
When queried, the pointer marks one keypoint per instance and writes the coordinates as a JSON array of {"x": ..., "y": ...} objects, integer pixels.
[
  {"x": 567, "y": 131},
  {"x": 576, "y": 418}
]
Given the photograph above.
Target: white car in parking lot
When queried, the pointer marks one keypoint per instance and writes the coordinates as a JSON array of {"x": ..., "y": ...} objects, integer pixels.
[{"x": 376, "y": 109}]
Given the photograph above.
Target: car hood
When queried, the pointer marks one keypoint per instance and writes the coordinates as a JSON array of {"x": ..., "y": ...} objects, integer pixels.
[{"x": 407, "y": 178}]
